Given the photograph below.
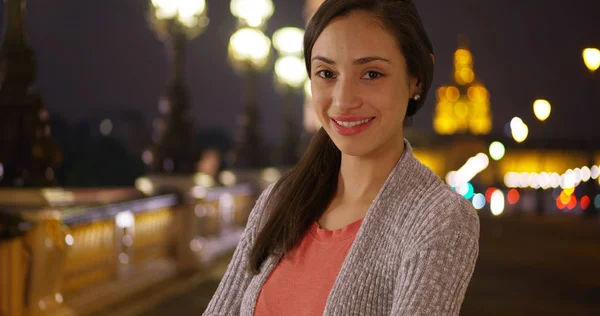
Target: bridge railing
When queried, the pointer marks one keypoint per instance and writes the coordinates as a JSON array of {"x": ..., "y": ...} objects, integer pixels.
[{"x": 82, "y": 254}]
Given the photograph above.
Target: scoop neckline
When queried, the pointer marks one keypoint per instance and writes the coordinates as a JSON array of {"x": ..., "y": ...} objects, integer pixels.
[{"x": 345, "y": 232}]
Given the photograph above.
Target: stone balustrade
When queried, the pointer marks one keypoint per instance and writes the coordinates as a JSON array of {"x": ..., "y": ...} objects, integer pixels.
[{"x": 75, "y": 252}]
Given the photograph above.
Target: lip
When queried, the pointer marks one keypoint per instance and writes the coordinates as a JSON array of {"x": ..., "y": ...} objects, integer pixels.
[
  {"x": 351, "y": 131},
  {"x": 350, "y": 118}
]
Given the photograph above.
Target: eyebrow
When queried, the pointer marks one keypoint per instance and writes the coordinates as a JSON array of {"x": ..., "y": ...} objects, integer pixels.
[{"x": 360, "y": 61}]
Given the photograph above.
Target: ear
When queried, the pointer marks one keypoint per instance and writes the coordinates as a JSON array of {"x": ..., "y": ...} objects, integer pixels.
[
  {"x": 416, "y": 86},
  {"x": 432, "y": 58}
]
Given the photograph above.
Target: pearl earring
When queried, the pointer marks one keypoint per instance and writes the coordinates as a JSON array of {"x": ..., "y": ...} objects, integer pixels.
[{"x": 417, "y": 97}]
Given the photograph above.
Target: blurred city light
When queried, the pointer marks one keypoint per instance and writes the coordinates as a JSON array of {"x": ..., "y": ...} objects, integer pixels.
[
  {"x": 251, "y": 46},
  {"x": 591, "y": 58},
  {"x": 291, "y": 70},
  {"x": 542, "y": 109},
  {"x": 497, "y": 202},
  {"x": 586, "y": 174},
  {"x": 470, "y": 169},
  {"x": 188, "y": 12},
  {"x": 289, "y": 40},
  {"x": 124, "y": 219},
  {"x": 584, "y": 202},
  {"x": 488, "y": 194},
  {"x": 204, "y": 180},
  {"x": 597, "y": 201},
  {"x": 252, "y": 12},
  {"x": 478, "y": 201},
  {"x": 144, "y": 185},
  {"x": 227, "y": 177},
  {"x": 595, "y": 172},
  {"x": 519, "y": 130},
  {"x": 464, "y": 105},
  {"x": 106, "y": 127},
  {"x": 513, "y": 196},
  {"x": 497, "y": 150},
  {"x": 270, "y": 175},
  {"x": 466, "y": 190}
]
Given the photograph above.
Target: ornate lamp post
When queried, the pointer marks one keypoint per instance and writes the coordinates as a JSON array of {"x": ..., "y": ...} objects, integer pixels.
[
  {"x": 175, "y": 21},
  {"x": 28, "y": 155},
  {"x": 249, "y": 50},
  {"x": 290, "y": 73}
]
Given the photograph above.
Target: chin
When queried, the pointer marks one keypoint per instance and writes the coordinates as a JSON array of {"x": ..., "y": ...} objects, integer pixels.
[{"x": 353, "y": 147}]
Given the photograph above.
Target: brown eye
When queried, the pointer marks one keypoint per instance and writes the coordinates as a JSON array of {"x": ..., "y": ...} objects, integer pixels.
[
  {"x": 372, "y": 75},
  {"x": 325, "y": 74}
]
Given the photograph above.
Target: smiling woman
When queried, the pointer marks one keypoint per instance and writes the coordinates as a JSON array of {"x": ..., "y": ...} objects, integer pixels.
[{"x": 359, "y": 226}]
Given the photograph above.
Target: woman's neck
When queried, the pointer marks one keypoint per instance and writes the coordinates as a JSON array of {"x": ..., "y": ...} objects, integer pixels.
[{"x": 361, "y": 177}]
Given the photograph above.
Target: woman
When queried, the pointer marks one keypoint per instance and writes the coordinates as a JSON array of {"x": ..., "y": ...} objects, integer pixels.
[{"x": 359, "y": 226}]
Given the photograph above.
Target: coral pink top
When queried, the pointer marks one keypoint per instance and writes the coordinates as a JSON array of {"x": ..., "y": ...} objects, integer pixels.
[{"x": 301, "y": 282}]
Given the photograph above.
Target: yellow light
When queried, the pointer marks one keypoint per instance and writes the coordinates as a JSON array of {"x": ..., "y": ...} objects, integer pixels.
[
  {"x": 290, "y": 70},
  {"x": 441, "y": 92},
  {"x": 480, "y": 125},
  {"x": 477, "y": 94},
  {"x": 288, "y": 40},
  {"x": 461, "y": 110},
  {"x": 519, "y": 130},
  {"x": 186, "y": 11},
  {"x": 227, "y": 177},
  {"x": 591, "y": 58},
  {"x": 253, "y": 12},
  {"x": 463, "y": 57},
  {"x": 452, "y": 93},
  {"x": 252, "y": 45},
  {"x": 467, "y": 75},
  {"x": 497, "y": 150},
  {"x": 444, "y": 125},
  {"x": 445, "y": 108},
  {"x": 270, "y": 175},
  {"x": 569, "y": 191},
  {"x": 541, "y": 109}
]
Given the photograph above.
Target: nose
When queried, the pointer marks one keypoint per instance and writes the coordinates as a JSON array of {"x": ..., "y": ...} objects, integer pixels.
[{"x": 346, "y": 95}]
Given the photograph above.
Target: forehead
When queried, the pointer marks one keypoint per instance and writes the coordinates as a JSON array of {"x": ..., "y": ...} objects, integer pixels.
[{"x": 355, "y": 36}]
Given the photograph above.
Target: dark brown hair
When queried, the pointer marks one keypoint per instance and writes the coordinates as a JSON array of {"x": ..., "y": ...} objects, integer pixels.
[{"x": 301, "y": 196}]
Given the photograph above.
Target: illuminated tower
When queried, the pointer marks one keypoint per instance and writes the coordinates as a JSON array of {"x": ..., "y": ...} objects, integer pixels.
[{"x": 464, "y": 105}]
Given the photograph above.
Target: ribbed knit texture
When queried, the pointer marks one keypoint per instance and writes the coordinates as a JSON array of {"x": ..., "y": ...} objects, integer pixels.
[{"x": 414, "y": 253}]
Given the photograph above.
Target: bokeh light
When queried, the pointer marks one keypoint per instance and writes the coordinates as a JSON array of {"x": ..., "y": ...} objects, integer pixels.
[
  {"x": 497, "y": 203},
  {"x": 497, "y": 150},
  {"x": 478, "y": 201}
]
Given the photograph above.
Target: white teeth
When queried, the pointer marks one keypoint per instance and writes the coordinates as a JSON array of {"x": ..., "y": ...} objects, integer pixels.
[{"x": 352, "y": 124}]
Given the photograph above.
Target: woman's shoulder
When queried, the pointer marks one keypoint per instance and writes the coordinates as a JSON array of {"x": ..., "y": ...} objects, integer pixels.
[{"x": 435, "y": 209}]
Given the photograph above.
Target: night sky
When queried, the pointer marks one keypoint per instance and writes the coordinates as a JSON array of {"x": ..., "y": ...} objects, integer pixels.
[{"x": 96, "y": 56}]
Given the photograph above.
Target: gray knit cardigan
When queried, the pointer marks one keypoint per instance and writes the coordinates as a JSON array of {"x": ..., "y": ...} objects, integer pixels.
[{"x": 414, "y": 253}]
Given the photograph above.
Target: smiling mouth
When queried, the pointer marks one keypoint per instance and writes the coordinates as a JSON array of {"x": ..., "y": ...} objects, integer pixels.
[{"x": 353, "y": 123}]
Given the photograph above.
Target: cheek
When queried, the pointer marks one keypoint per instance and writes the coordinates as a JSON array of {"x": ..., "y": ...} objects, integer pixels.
[{"x": 321, "y": 99}]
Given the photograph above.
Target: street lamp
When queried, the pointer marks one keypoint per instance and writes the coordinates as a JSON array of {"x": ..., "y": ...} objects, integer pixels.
[
  {"x": 175, "y": 21},
  {"x": 290, "y": 73},
  {"x": 249, "y": 51}
]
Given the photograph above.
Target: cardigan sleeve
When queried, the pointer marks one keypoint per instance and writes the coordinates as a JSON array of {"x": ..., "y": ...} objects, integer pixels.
[
  {"x": 434, "y": 279},
  {"x": 228, "y": 296}
]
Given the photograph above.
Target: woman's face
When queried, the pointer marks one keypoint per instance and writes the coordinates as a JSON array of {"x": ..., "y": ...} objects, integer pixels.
[{"x": 360, "y": 85}]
